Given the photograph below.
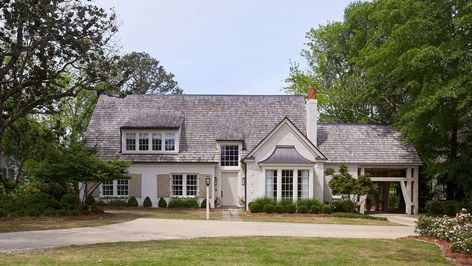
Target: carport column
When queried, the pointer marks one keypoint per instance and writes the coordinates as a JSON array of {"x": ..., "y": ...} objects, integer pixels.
[
  {"x": 295, "y": 186},
  {"x": 279, "y": 184},
  {"x": 415, "y": 190},
  {"x": 318, "y": 186}
]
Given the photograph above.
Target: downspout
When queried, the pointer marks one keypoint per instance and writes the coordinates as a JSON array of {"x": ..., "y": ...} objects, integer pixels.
[{"x": 245, "y": 185}]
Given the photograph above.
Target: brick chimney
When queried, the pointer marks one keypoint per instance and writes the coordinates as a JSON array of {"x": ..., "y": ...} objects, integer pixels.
[{"x": 312, "y": 116}]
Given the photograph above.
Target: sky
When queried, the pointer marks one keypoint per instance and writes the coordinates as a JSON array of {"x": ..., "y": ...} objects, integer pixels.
[{"x": 222, "y": 46}]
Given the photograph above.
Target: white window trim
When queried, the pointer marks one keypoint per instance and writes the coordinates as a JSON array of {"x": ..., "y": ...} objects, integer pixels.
[
  {"x": 115, "y": 190},
  {"x": 220, "y": 143},
  {"x": 295, "y": 180},
  {"x": 150, "y": 132},
  {"x": 184, "y": 185}
]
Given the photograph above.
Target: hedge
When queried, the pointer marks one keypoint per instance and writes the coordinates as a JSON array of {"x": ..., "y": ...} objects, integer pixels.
[{"x": 183, "y": 203}]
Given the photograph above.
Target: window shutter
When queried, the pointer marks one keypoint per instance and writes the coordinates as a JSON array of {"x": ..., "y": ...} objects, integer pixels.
[
  {"x": 134, "y": 185},
  {"x": 202, "y": 186},
  {"x": 163, "y": 185}
]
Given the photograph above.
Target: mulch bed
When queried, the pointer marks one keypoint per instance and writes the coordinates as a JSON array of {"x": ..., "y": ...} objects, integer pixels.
[{"x": 454, "y": 257}]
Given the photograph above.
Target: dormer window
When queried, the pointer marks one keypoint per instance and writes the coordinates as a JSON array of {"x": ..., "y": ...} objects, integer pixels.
[
  {"x": 229, "y": 155},
  {"x": 150, "y": 141}
]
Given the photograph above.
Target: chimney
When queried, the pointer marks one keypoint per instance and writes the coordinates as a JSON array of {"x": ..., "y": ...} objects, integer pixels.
[{"x": 311, "y": 116}]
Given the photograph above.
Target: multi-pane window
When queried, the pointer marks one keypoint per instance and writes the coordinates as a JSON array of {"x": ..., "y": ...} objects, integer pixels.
[
  {"x": 156, "y": 142},
  {"x": 149, "y": 141},
  {"x": 130, "y": 141},
  {"x": 122, "y": 187},
  {"x": 143, "y": 141},
  {"x": 184, "y": 185},
  {"x": 107, "y": 188},
  {"x": 229, "y": 155},
  {"x": 271, "y": 184},
  {"x": 191, "y": 185},
  {"x": 177, "y": 185},
  {"x": 170, "y": 142},
  {"x": 303, "y": 176},
  {"x": 287, "y": 184}
]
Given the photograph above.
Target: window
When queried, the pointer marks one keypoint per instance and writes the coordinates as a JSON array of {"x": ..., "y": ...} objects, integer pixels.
[
  {"x": 303, "y": 184},
  {"x": 191, "y": 185},
  {"x": 107, "y": 188},
  {"x": 170, "y": 142},
  {"x": 184, "y": 185},
  {"x": 177, "y": 185},
  {"x": 130, "y": 141},
  {"x": 143, "y": 142},
  {"x": 229, "y": 155},
  {"x": 287, "y": 184},
  {"x": 150, "y": 141},
  {"x": 271, "y": 184},
  {"x": 122, "y": 187},
  {"x": 156, "y": 142}
]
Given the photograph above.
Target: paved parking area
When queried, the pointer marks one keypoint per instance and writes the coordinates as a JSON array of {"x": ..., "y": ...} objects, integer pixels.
[{"x": 162, "y": 229}]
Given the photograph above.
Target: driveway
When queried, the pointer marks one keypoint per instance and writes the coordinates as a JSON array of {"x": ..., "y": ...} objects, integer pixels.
[{"x": 164, "y": 229}]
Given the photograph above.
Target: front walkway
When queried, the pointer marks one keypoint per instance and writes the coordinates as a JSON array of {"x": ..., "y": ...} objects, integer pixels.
[{"x": 162, "y": 229}]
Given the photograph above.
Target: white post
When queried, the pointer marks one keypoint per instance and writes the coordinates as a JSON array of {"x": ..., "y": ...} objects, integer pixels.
[{"x": 207, "y": 181}]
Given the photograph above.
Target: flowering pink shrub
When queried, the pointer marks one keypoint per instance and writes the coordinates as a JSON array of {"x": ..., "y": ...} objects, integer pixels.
[{"x": 457, "y": 230}]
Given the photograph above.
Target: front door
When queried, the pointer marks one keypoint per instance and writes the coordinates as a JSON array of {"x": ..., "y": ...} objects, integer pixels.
[{"x": 229, "y": 189}]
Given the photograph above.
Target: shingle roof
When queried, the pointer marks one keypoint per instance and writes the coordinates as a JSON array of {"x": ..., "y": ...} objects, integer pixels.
[
  {"x": 207, "y": 118},
  {"x": 286, "y": 155},
  {"x": 364, "y": 143}
]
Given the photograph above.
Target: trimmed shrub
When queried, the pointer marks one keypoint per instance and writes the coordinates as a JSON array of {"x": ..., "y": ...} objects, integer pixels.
[
  {"x": 147, "y": 202},
  {"x": 254, "y": 207},
  {"x": 203, "y": 204},
  {"x": 309, "y": 203},
  {"x": 117, "y": 202},
  {"x": 302, "y": 209},
  {"x": 326, "y": 208},
  {"x": 263, "y": 201},
  {"x": 90, "y": 201},
  {"x": 183, "y": 203},
  {"x": 286, "y": 202},
  {"x": 132, "y": 202},
  {"x": 279, "y": 208},
  {"x": 290, "y": 208},
  {"x": 344, "y": 206},
  {"x": 268, "y": 208},
  {"x": 315, "y": 209},
  {"x": 358, "y": 216},
  {"x": 162, "y": 203}
]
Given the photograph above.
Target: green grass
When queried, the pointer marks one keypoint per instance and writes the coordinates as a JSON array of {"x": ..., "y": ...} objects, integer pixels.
[
  {"x": 116, "y": 216},
  {"x": 318, "y": 219},
  {"x": 239, "y": 251}
]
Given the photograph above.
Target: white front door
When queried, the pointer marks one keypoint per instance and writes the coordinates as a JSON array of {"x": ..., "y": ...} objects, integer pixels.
[{"x": 229, "y": 189}]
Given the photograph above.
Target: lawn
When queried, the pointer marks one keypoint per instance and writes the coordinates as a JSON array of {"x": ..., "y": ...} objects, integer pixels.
[
  {"x": 287, "y": 218},
  {"x": 111, "y": 217},
  {"x": 237, "y": 251}
]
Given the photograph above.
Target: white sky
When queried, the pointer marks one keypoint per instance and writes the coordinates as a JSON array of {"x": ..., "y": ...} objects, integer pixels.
[{"x": 222, "y": 46}]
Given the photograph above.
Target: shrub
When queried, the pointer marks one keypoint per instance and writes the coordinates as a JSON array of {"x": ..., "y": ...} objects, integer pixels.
[
  {"x": 203, "y": 204},
  {"x": 315, "y": 209},
  {"x": 326, "y": 208},
  {"x": 358, "y": 216},
  {"x": 268, "y": 208},
  {"x": 447, "y": 207},
  {"x": 90, "y": 201},
  {"x": 254, "y": 207},
  {"x": 132, "y": 202},
  {"x": 162, "y": 203},
  {"x": 279, "y": 208},
  {"x": 290, "y": 208},
  {"x": 66, "y": 202},
  {"x": 263, "y": 201},
  {"x": 183, "y": 203},
  {"x": 344, "y": 206},
  {"x": 147, "y": 202},
  {"x": 302, "y": 209},
  {"x": 117, "y": 202},
  {"x": 309, "y": 203},
  {"x": 286, "y": 202},
  {"x": 457, "y": 230}
]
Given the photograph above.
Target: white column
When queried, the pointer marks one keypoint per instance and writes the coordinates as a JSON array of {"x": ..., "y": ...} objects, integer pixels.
[
  {"x": 279, "y": 184},
  {"x": 310, "y": 183},
  {"x": 415, "y": 191},
  {"x": 295, "y": 185},
  {"x": 318, "y": 186}
]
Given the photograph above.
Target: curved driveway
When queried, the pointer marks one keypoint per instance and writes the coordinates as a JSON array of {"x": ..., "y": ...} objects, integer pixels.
[{"x": 162, "y": 229}]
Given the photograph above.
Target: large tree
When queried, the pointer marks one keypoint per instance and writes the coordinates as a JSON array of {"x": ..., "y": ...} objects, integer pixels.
[{"x": 406, "y": 63}]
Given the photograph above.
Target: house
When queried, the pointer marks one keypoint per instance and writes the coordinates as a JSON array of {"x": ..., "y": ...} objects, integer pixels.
[{"x": 251, "y": 146}]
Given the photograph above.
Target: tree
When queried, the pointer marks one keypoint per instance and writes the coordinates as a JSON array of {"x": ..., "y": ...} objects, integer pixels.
[
  {"x": 77, "y": 168},
  {"x": 50, "y": 50},
  {"x": 405, "y": 63},
  {"x": 145, "y": 75}
]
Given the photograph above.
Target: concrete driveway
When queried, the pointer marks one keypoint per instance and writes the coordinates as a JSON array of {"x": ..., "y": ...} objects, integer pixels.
[{"x": 163, "y": 229}]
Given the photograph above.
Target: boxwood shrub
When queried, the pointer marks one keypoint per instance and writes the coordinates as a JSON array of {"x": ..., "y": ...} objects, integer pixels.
[
  {"x": 183, "y": 203},
  {"x": 302, "y": 209},
  {"x": 132, "y": 202},
  {"x": 268, "y": 208},
  {"x": 326, "y": 208},
  {"x": 254, "y": 207},
  {"x": 279, "y": 208},
  {"x": 162, "y": 203},
  {"x": 445, "y": 207},
  {"x": 147, "y": 202},
  {"x": 315, "y": 209},
  {"x": 290, "y": 208}
]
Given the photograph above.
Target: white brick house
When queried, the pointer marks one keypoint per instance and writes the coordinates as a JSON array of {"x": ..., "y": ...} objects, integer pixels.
[{"x": 250, "y": 146}]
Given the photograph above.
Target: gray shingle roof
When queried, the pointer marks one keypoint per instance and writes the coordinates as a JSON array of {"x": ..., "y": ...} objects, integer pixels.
[
  {"x": 207, "y": 118},
  {"x": 286, "y": 155},
  {"x": 364, "y": 143}
]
